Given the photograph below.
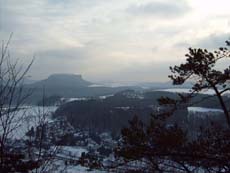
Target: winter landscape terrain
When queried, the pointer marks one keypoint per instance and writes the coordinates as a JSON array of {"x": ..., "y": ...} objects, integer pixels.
[
  {"x": 98, "y": 86},
  {"x": 90, "y": 125}
]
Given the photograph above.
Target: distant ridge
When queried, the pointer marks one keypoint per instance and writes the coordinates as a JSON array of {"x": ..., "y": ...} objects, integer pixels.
[
  {"x": 67, "y": 86},
  {"x": 75, "y": 86},
  {"x": 62, "y": 80}
]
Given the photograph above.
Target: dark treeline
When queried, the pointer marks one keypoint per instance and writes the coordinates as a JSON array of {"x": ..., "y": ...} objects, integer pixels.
[{"x": 113, "y": 113}]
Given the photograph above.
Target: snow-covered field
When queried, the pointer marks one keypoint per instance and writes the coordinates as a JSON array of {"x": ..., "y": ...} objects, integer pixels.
[
  {"x": 26, "y": 117},
  {"x": 61, "y": 167},
  {"x": 96, "y": 85},
  {"x": 80, "y": 169},
  {"x": 201, "y": 109},
  {"x": 74, "y": 99},
  {"x": 84, "y": 98},
  {"x": 186, "y": 90},
  {"x": 72, "y": 151},
  {"x": 106, "y": 96}
]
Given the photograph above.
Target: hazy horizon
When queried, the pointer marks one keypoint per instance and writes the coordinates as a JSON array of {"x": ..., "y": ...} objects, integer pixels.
[
  {"x": 130, "y": 41},
  {"x": 30, "y": 79}
]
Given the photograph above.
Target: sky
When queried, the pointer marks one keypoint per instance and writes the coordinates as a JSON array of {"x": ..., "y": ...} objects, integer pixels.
[{"x": 111, "y": 40}]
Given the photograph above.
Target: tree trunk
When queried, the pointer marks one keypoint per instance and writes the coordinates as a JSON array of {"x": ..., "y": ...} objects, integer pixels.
[{"x": 227, "y": 116}]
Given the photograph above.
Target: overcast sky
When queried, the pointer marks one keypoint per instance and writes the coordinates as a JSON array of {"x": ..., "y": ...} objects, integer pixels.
[{"x": 119, "y": 40}]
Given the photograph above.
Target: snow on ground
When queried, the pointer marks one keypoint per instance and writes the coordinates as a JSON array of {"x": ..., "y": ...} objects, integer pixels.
[
  {"x": 187, "y": 90},
  {"x": 74, "y": 99},
  {"x": 106, "y": 96},
  {"x": 96, "y": 85},
  {"x": 61, "y": 167},
  {"x": 202, "y": 109},
  {"x": 80, "y": 169},
  {"x": 26, "y": 117},
  {"x": 66, "y": 153},
  {"x": 84, "y": 98},
  {"x": 125, "y": 108},
  {"x": 72, "y": 151}
]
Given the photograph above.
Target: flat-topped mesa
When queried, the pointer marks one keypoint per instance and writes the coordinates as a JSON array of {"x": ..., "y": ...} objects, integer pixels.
[
  {"x": 63, "y": 80},
  {"x": 65, "y": 76}
]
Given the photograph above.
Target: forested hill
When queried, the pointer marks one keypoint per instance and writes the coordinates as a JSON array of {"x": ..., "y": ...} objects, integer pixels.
[
  {"x": 61, "y": 80},
  {"x": 68, "y": 86},
  {"x": 113, "y": 113}
]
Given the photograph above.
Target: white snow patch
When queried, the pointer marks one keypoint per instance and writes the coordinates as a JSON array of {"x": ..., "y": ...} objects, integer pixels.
[
  {"x": 74, "y": 99},
  {"x": 106, "y": 96},
  {"x": 27, "y": 117},
  {"x": 73, "y": 151},
  {"x": 187, "y": 90},
  {"x": 96, "y": 85},
  {"x": 202, "y": 109},
  {"x": 125, "y": 108}
]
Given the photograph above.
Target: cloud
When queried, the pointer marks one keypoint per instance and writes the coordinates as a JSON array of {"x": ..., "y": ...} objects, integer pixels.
[
  {"x": 182, "y": 45},
  {"x": 154, "y": 71},
  {"x": 161, "y": 9},
  {"x": 65, "y": 60},
  {"x": 213, "y": 41},
  {"x": 64, "y": 54},
  {"x": 108, "y": 39}
]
